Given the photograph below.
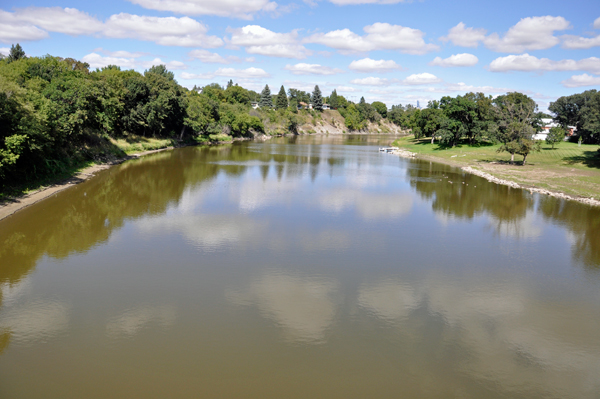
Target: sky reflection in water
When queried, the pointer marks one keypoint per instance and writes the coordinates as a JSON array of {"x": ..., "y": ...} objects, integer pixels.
[{"x": 306, "y": 267}]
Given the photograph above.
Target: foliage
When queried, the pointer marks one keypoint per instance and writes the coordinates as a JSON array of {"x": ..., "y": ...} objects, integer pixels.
[
  {"x": 282, "y": 101},
  {"x": 333, "y": 100},
  {"x": 381, "y": 108},
  {"x": 317, "y": 99},
  {"x": 265, "y": 98},
  {"x": 581, "y": 110},
  {"x": 555, "y": 136}
]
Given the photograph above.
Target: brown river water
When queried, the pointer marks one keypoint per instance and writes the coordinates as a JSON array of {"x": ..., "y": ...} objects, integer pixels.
[{"x": 311, "y": 267}]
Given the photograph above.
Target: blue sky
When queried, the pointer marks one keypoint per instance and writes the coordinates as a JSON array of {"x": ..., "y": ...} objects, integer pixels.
[{"x": 393, "y": 51}]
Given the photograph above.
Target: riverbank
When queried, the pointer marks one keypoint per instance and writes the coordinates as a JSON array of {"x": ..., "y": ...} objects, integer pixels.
[{"x": 568, "y": 171}]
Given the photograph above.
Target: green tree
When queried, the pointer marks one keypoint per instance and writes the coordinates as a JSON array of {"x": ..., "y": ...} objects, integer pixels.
[
  {"x": 555, "y": 136},
  {"x": 16, "y": 53},
  {"x": 317, "y": 99},
  {"x": 282, "y": 100},
  {"x": 266, "y": 100},
  {"x": 381, "y": 108},
  {"x": 333, "y": 100},
  {"x": 516, "y": 121}
]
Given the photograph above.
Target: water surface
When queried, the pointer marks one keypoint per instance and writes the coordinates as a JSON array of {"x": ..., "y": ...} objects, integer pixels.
[{"x": 307, "y": 267}]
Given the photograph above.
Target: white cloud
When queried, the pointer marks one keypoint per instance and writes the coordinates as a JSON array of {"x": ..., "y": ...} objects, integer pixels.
[
  {"x": 248, "y": 73},
  {"x": 168, "y": 31},
  {"x": 63, "y": 20},
  {"x": 121, "y": 53},
  {"x": 258, "y": 40},
  {"x": 379, "y": 36},
  {"x": 13, "y": 30},
  {"x": 532, "y": 33},
  {"x": 312, "y": 69},
  {"x": 527, "y": 63},
  {"x": 577, "y": 42},
  {"x": 421, "y": 79},
  {"x": 465, "y": 37},
  {"x": 243, "y": 9},
  {"x": 597, "y": 23},
  {"x": 581, "y": 80},
  {"x": 98, "y": 61},
  {"x": 368, "y": 65},
  {"x": 456, "y": 60},
  {"x": 371, "y": 81},
  {"x": 346, "y": 89},
  {"x": 464, "y": 88},
  {"x": 214, "y": 58},
  {"x": 4, "y": 51}
]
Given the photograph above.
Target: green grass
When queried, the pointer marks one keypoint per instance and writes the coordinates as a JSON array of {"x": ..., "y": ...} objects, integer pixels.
[
  {"x": 568, "y": 167},
  {"x": 135, "y": 144}
]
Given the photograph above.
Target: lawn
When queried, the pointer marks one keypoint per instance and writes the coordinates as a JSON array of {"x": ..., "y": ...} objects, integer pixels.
[{"x": 567, "y": 168}]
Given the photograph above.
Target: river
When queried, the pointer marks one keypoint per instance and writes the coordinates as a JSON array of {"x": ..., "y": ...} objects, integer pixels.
[{"x": 305, "y": 267}]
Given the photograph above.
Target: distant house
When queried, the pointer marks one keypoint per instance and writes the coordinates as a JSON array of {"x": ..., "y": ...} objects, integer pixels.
[
  {"x": 548, "y": 124},
  {"x": 303, "y": 105},
  {"x": 326, "y": 106},
  {"x": 254, "y": 104}
]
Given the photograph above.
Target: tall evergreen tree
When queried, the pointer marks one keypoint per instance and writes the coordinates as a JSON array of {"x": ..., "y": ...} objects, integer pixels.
[
  {"x": 16, "y": 53},
  {"x": 333, "y": 100},
  {"x": 265, "y": 98},
  {"x": 317, "y": 99},
  {"x": 230, "y": 83},
  {"x": 282, "y": 100}
]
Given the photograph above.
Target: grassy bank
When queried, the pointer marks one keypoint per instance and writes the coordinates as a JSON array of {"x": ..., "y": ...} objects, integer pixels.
[{"x": 568, "y": 168}]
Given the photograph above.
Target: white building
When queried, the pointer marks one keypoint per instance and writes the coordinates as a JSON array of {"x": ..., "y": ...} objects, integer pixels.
[{"x": 548, "y": 124}]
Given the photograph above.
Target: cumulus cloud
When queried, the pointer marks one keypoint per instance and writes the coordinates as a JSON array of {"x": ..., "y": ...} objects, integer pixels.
[
  {"x": 464, "y": 88},
  {"x": 528, "y": 63},
  {"x": 258, "y": 40},
  {"x": 14, "y": 30},
  {"x": 597, "y": 23},
  {"x": 244, "y": 9},
  {"x": 4, "y": 50},
  {"x": 456, "y": 60},
  {"x": 577, "y": 42},
  {"x": 121, "y": 53},
  {"x": 98, "y": 61},
  {"x": 421, "y": 79},
  {"x": 248, "y": 73},
  {"x": 379, "y": 36},
  {"x": 371, "y": 81},
  {"x": 33, "y": 23},
  {"x": 56, "y": 19},
  {"x": 214, "y": 58},
  {"x": 533, "y": 33},
  {"x": 312, "y": 69},
  {"x": 368, "y": 65},
  {"x": 168, "y": 31},
  {"x": 581, "y": 80},
  {"x": 460, "y": 35}
]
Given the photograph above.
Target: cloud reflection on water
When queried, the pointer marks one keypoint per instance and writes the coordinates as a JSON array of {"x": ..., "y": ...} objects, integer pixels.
[{"x": 304, "y": 307}]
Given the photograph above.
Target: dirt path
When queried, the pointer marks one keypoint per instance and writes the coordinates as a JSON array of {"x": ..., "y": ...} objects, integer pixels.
[{"x": 16, "y": 204}]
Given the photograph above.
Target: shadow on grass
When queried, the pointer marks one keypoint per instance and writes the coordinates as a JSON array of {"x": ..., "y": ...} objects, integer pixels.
[{"x": 590, "y": 159}]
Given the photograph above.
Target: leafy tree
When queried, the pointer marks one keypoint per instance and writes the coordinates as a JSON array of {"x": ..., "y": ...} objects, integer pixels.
[
  {"x": 527, "y": 146},
  {"x": 333, "y": 100},
  {"x": 429, "y": 122},
  {"x": 161, "y": 70},
  {"x": 230, "y": 83},
  {"x": 266, "y": 100},
  {"x": 16, "y": 53},
  {"x": 237, "y": 95},
  {"x": 317, "y": 99},
  {"x": 555, "y": 136},
  {"x": 581, "y": 110},
  {"x": 516, "y": 121},
  {"x": 282, "y": 100},
  {"x": 381, "y": 108}
]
